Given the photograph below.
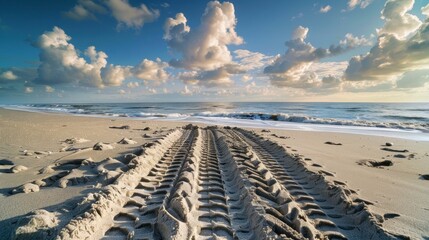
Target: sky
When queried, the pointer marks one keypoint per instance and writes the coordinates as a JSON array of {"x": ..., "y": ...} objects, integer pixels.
[{"x": 192, "y": 50}]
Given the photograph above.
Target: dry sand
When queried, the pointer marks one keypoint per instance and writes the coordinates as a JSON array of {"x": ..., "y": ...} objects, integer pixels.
[{"x": 70, "y": 177}]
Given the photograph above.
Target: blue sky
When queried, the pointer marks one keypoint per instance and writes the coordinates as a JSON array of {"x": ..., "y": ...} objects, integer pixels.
[{"x": 333, "y": 51}]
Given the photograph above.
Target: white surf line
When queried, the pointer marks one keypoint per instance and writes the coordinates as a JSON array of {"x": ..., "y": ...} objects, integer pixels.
[{"x": 267, "y": 124}]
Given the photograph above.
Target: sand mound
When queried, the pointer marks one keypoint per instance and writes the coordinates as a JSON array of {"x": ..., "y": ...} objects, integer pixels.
[
  {"x": 100, "y": 146},
  {"x": 18, "y": 168},
  {"x": 37, "y": 225},
  {"x": 127, "y": 141},
  {"x": 26, "y": 188},
  {"x": 75, "y": 140}
]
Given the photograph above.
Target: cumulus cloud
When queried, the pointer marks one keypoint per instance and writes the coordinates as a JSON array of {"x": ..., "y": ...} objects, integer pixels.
[
  {"x": 124, "y": 13},
  {"x": 60, "y": 63},
  {"x": 16, "y": 76},
  {"x": 400, "y": 48},
  {"x": 131, "y": 16},
  {"x": 151, "y": 70},
  {"x": 398, "y": 21},
  {"x": 49, "y": 89},
  {"x": 28, "y": 90},
  {"x": 205, "y": 48},
  {"x": 246, "y": 78},
  {"x": 325, "y": 9},
  {"x": 219, "y": 77},
  {"x": 114, "y": 75},
  {"x": 133, "y": 84},
  {"x": 8, "y": 75},
  {"x": 292, "y": 68}
]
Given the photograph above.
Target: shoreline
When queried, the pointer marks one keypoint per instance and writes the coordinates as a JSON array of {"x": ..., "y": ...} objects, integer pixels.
[
  {"x": 410, "y": 134},
  {"x": 379, "y": 186}
]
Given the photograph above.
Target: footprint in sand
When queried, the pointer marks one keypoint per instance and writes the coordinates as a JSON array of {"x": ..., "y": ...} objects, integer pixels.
[
  {"x": 394, "y": 150},
  {"x": 6, "y": 162},
  {"x": 121, "y": 127},
  {"x": 424, "y": 176},
  {"x": 390, "y": 215},
  {"x": 332, "y": 143},
  {"x": 100, "y": 146},
  {"x": 373, "y": 163}
]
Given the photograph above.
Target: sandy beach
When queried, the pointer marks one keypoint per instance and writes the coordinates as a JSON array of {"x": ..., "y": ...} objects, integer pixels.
[{"x": 74, "y": 177}]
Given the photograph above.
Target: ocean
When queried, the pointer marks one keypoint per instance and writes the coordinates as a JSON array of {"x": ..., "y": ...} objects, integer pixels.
[{"x": 411, "y": 117}]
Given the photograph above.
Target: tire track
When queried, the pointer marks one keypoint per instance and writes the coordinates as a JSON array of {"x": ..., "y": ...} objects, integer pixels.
[
  {"x": 328, "y": 206},
  {"x": 213, "y": 209},
  {"x": 114, "y": 214},
  {"x": 221, "y": 183},
  {"x": 153, "y": 193},
  {"x": 280, "y": 212}
]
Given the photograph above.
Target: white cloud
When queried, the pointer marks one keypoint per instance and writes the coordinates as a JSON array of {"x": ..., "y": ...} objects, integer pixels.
[
  {"x": 352, "y": 4},
  {"x": 186, "y": 91},
  {"x": 124, "y": 13},
  {"x": 61, "y": 63},
  {"x": 292, "y": 69},
  {"x": 300, "y": 33},
  {"x": 28, "y": 90},
  {"x": 49, "y": 89},
  {"x": 251, "y": 60},
  {"x": 425, "y": 10},
  {"x": 8, "y": 75},
  {"x": 151, "y": 70},
  {"x": 394, "y": 54},
  {"x": 131, "y": 16},
  {"x": 152, "y": 90},
  {"x": 85, "y": 9},
  {"x": 335, "y": 69},
  {"x": 114, "y": 75},
  {"x": 205, "y": 48},
  {"x": 133, "y": 84},
  {"x": 220, "y": 77},
  {"x": 325, "y": 9},
  {"x": 398, "y": 21},
  {"x": 246, "y": 78}
]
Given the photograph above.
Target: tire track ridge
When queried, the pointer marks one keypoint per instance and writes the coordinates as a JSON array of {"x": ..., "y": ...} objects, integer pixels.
[
  {"x": 285, "y": 214},
  {"x": 91, "y": 223},
  {"x": 244, "y": 200},
  {"x": 144, "y": 201},
  {"x": 333, "y": 200},
  {"x": 177, "y": 217}
]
